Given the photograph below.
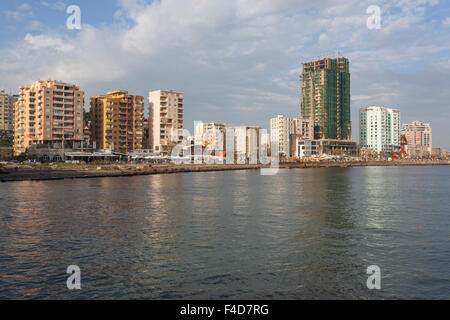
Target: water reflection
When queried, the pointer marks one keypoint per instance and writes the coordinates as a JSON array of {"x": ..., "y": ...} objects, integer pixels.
[{"x": 304, "y": 233}]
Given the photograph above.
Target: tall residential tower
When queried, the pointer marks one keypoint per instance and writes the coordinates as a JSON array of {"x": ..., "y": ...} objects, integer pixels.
[
  {"x": 325, "y": 86},
  {"x": 48, "y": 112},
  {"x": 7, "y": 103},
  {"x": 165, "y": 120},
  {"x": 117, "y": 121},
  {"x": 379, "y": 129}
]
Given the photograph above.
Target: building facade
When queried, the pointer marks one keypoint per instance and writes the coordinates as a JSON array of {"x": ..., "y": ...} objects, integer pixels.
[
  {"x": 210, "y": 135},
  {"x": 246, "y": 143},
  {"x": 307, "y": 148},
  {"x": 7, "y": 103},
  {"x": 281, "y": 129},
  {"x": 117, "y": 121},
  {"x": 379, "y": 129},
  {"x": 165, "y": 118},
  {"x": 48, "y": 112},
  {"x": 287, "y": 131},
  {"x": 325, "y": 87},
  {"x": 419, "y": 137}
]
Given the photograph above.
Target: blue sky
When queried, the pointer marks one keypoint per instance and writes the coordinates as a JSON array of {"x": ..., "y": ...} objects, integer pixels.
[{"x": 237, "y": 61}]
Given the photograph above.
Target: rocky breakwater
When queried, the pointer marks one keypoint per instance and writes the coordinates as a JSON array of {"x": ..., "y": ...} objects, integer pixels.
[{"x": 30, "y": 173}]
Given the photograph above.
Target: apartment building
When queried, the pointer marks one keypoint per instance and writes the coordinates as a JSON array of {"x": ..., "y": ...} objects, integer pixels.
[
  {"x": 287, "y": 131},
  {"x": 379, "y": 129},
  {"x": 117, "y": 121},
  {"x": 419, "y": 137},
  {"x": 7, "y": 102},
  {"x": 246, "y": 143},
  {"x": 165, "y": 118},
  {"x": 325, "y": 87},
  {"x": 281, "y": 129},
  {"x": 210, "y": 135},
  {"x": 48, "y": 112}
]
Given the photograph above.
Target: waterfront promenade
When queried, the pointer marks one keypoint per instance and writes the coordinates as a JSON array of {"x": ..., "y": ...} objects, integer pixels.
[{"x": 57, "y": 172}]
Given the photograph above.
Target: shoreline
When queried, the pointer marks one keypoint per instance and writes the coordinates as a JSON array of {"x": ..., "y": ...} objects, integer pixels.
[{"x": 28, "y": 173}]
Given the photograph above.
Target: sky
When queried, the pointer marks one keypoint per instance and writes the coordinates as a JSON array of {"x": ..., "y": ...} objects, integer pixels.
[{"x": 237, "y": 61}]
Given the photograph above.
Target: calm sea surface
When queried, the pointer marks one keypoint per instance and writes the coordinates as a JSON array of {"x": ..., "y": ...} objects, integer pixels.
[{"x": 301, "y": 234}]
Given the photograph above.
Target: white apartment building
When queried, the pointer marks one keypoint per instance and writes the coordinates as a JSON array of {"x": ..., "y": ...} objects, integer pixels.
[
  {"x": 165, "y": 119},
  {"x": 307, "y": 148},
  {"x": 281, "y": 128},
  {"x": 379, "y": 129},
  {"x": 419, "y": 137},
  {"x": 287, "y": 131},
  {"x": 246, "y": 143},
  {"x": 210, "y": 135}
]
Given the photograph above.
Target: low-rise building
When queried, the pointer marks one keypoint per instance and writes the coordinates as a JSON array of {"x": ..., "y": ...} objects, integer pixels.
[
  {"x": 307, "y": 148},
  {"x": 68, "y": 150}
]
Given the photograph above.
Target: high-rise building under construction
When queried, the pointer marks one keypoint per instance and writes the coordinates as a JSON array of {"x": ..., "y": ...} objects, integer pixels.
[{"x": 325, "y": 86}]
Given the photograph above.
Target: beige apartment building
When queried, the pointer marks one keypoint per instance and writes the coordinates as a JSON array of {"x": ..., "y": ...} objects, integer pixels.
[
  {"x": 419, "y": 137},
  {"x": 165, "y": 118},
  {"x": 48, "y": 112},
  {"x": 7, "y": 102},
  {"x": 117, "y": 120}
]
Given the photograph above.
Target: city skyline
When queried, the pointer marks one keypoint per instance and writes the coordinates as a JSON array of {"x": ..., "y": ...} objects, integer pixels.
[
  {"x": 243, "y": 77},
  {"x": 229, "y": 158}
]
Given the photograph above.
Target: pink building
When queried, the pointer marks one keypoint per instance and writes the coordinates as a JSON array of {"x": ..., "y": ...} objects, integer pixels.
[{"x": 419, "y": 137}]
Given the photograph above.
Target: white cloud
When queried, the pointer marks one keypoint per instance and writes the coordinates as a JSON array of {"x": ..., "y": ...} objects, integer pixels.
[
  {"x": 446, "y": 22},
  {"x": 56, "y": 5},
  {"x": 47, "y": 42},
  {"x": 18, "y": 15},
  {"x": 35, "y": 25}
]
